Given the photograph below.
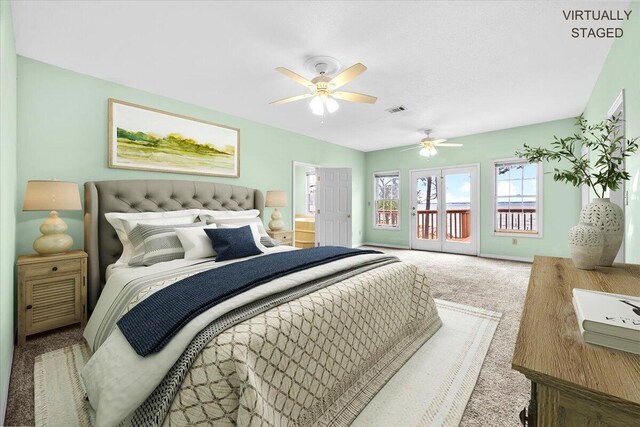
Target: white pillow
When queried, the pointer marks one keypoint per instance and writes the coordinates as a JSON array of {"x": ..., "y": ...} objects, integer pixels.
[
  {"x": 195, "y": 242},
  {"x": 254, "y": 231},
  {"x": 125, "y": 222},
  {"x": 207, "y": 214},
  {"x": 240, "y": 222}
]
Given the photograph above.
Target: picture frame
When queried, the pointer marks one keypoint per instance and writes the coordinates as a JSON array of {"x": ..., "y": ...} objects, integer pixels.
[{"x": 144, "y": 138}]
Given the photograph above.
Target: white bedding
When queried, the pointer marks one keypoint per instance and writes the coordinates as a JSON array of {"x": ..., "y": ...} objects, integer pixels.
[{"x": 117, "y": 380}]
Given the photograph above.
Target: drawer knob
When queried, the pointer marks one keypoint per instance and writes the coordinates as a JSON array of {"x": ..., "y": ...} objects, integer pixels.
[
  {"x": 29, "y": 307},
  {"x": 54, "y": 269}
]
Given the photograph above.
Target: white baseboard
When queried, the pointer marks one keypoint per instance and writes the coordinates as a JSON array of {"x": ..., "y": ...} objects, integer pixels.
[
  {"x": 384, "y": 245},
  {"x": 5, "y": 392},
  {"x": 507, "y": 257}
]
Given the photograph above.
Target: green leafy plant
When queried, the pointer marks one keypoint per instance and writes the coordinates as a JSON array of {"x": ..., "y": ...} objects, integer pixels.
[{"x": 607, "y": 146}]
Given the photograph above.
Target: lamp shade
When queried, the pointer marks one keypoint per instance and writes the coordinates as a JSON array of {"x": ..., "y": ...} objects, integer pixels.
[
  {"x": 276, "y": 199},
  {"x": 51, "y": 195}
]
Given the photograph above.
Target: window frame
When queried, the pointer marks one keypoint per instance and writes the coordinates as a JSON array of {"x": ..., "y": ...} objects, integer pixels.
[
  {"x": 375, "y": 176},
  {"x": 539, "y": 200}
]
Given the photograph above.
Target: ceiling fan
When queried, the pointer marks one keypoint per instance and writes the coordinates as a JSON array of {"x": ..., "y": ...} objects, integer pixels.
[
  {"x": 323, "y": 87},
  {"x": 428, "y": 145}
]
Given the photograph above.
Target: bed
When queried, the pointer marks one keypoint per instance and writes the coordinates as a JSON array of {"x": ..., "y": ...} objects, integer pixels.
[{"x": 310, "y": 347}]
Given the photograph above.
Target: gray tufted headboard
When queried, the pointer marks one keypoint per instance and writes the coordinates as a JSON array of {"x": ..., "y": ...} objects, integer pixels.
[{"x": 155, "y": 195}]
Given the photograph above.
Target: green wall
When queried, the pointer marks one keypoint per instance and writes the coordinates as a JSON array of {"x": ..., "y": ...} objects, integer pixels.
[
  {"x": 561, "y": 205},
  {"x": 7, "y": 195},
  {"x": 62, "y": 129},
  {"x": 622, "y": 71}
]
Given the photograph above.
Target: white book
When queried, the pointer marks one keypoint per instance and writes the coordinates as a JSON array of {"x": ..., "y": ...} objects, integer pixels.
[
  {"x": 607, "y": 340},
  {"x": 608, "y": 314}
]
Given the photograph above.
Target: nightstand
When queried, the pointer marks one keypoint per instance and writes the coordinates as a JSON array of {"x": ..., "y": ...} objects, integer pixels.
[
  {"x": 284, "y": 237},
  {"x": 52, "y": 292}
]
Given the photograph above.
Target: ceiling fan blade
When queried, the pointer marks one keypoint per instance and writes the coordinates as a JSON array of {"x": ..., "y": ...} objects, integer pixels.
[
  {"x": 449, "y": 145},
  {"x": 347, "y": 75},
  {"x": 297, "y": 78},
  {"x": 410, "y": 148},
  {"x": 355, "y": 97},
  {"x": 292, "y": 98}
]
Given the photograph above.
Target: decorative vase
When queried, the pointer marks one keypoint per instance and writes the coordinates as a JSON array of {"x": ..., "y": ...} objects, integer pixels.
[
  {"x": 608, "y": 218},
  {"x": 586, "y": 243}
]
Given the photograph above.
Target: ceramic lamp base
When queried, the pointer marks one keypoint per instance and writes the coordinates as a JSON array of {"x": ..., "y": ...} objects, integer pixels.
[
  {"x": 276, "y": 223},
  {"x": 54, "y": 240}
]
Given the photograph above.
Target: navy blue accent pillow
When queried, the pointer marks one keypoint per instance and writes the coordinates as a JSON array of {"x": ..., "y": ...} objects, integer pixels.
[{"x": 232, "y": 243}]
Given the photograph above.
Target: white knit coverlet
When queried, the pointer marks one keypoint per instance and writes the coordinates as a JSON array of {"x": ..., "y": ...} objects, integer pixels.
[{"x": 316, "y": 360}]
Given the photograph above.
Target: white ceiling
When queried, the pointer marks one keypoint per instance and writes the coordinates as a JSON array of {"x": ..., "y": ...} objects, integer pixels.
[{"x": 459, "y": 67}]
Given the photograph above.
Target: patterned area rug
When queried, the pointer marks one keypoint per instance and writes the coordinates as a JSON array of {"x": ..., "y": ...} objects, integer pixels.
[{"x": 431, "y": 389}]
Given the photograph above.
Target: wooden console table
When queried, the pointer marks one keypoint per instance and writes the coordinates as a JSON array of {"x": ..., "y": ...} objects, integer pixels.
[{"x": 574, "y": 383}]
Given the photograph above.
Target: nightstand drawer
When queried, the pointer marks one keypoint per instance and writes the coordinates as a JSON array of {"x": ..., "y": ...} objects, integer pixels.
[
  {"x": 54, "y": 269},
  {"x": 284, "y": 238},
  {"x": 52, "y": 302}
]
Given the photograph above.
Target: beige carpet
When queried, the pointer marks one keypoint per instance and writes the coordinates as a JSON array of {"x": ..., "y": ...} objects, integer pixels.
[
  {"x": 431, "y": 389},
  {"x": 498, "y": 396},
  {"x": 500, "y": 393}
]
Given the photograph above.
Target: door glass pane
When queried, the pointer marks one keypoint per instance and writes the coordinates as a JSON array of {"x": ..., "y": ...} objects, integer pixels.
[
  {"x": 427, "y": 208},
  {"x": 458, "y": 199}
]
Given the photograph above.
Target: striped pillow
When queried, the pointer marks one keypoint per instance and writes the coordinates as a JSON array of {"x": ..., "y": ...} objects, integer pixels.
[{"x": 156, "y": 243}]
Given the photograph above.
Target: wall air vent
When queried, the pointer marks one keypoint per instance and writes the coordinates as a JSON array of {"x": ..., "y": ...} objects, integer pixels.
[{"x": 397, "y": 109}]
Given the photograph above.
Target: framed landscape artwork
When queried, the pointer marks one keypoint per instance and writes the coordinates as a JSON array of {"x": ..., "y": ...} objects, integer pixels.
[{"x": 147, "y": 139}]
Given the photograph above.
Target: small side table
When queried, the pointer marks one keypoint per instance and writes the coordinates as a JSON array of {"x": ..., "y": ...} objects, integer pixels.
[
  {"x": 52, "y": 292},
  {"x": 284, "y": 237}
]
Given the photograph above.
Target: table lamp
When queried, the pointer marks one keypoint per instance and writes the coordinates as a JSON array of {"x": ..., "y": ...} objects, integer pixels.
[
  {"x": 52, "y": 196},
  {"x": 276, "y": 199}
]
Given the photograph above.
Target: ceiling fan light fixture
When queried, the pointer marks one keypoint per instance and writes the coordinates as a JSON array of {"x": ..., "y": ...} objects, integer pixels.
[
  {"x": 317, "y": 106},
  {"x": 428, "y": 152},
  {"x": 332, "y": 105}
]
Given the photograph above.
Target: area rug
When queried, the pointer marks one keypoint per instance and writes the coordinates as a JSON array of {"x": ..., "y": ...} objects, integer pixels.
[
  {"x": 58, "y": 393},
  {"x": 432, "y": 389}
]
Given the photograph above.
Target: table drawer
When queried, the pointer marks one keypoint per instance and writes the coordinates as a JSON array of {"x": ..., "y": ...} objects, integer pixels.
[{"x": 54, "y": 269}]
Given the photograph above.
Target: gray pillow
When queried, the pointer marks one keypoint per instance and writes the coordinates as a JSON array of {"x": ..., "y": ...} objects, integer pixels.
[{"x": 157, "y": 243}]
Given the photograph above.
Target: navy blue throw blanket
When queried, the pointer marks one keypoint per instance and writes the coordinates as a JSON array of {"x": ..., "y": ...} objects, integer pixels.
[{"x": 151, "y": 324}]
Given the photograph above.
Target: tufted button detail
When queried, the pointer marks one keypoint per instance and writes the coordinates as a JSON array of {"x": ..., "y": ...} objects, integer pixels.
[{"x": 146, "y": 196}]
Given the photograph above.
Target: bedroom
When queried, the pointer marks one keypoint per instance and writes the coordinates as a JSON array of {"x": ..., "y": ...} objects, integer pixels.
[{"x": 487, "y": 77}]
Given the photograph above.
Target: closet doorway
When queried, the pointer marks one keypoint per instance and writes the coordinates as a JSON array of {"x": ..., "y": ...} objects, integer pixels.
[
  {"x": 304, "y": 204},
  {"x": 444, "y": 209}
]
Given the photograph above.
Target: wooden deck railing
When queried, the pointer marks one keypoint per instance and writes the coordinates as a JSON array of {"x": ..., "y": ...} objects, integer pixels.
[
  {"x": 459, "y": 221},
  {"x": 458, "y": 226},
  {"x": 522, "y": 219}
]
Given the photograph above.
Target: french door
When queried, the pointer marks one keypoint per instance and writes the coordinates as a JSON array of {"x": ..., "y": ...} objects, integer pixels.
[{"x": 444, "y": 210}]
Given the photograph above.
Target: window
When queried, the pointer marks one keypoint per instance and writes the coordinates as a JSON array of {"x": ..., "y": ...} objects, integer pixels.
[
  {"x": 518, "y": 198},
  {"x": 310, "y": 194},
  {"x": 386, "y": 209}
]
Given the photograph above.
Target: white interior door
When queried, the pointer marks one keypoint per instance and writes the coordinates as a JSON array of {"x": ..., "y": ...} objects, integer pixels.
[
  {"x": 333, "y": 202},
  {"x": 444, "y": 211}
]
